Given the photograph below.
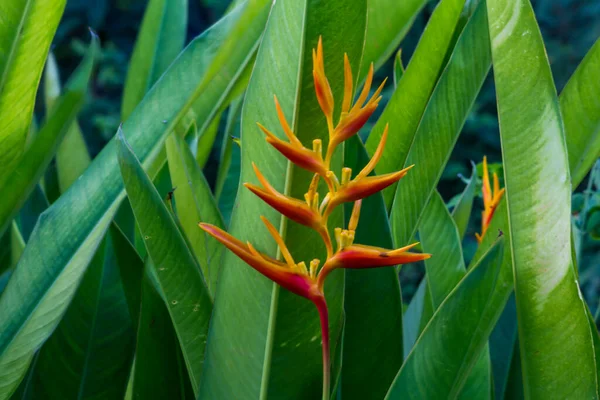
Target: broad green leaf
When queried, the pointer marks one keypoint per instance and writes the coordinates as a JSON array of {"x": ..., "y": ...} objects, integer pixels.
[
  {"x": 26, "y": 31},
  {"x": 407, "y": 105},
  {"x": 159, "y": 372},
  {"x": 178, "y": 275},
  {"x": 440, "y": 126},
  {"x": 161, "y": 38},
  {"x": 556, "y": 345},
  {"x": 72, "y": 157},
  {"x": 462, "y": 210},
  {"x": 580, "y": 107},
  {"x": 36, "y": 158},
  {"x": 68, "y": 233},
  {"x": 94, "y": 342},
  {"x": 387, "y": 23},
  {"x": 372, "y": 351},
  {"x": 276, "y": 330},
  {"x": 440, "y": 237},
  {"x": 455, "y": 336},
  {"x": 195, "y": 203}
]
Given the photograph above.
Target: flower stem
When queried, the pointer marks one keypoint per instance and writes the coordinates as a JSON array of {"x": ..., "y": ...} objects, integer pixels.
[{"x": 323, "y": 315}]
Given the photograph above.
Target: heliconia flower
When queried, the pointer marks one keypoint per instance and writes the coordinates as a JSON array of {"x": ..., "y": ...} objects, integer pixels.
[
  {"x": 491, "y": 199},
  {"x": 296, "y": 277}
]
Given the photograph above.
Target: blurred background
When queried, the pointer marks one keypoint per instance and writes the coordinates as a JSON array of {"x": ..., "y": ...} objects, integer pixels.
[{"x": 569, "y": 28}]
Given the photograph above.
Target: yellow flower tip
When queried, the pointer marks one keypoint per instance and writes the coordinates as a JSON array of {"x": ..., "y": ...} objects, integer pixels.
[
  {"x": 491, "y": 199},
  {"x": 354, "y": 217},
  {"x": 376, "y": 156}
]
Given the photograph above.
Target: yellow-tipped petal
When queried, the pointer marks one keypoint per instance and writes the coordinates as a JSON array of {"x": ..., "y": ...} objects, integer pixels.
[
  {"x": 284, "y": 124},
  {"x": 355, "y": 215},
  {"x": 348, "y": 85},
  {"x": 376, "y": 156},
  {"x": 365, "y": 91},
  {"x": 280, "y": 242},
  {"x": 486, "y": 189},
  {"x": 263, "y": 181}
]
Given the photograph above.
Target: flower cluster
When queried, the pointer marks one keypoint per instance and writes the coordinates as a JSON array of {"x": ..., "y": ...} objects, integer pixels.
[
  {"x": 491, "y": 199},
  {"x": 297, "y": 277}
]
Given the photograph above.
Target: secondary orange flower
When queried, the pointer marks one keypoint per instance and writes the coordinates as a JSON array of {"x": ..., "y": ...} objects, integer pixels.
[{"x": 491, "y": 199}]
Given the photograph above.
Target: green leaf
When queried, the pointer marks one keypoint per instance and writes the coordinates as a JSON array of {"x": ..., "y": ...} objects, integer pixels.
[
  {"x": 178, "y": 275},
  {"x": 455, "y": 336},
  {"x": 23, "y": 328},
  {"x": 580, "y": 107},
  {"x": 276, "y": 330},
  {"x": 462, "y": 210},
  {"x": 72, "y": 157},
  {"x": 68, "y": 233},
  {"x": 94, "y": 342},
  {"x": 387, "y": 23},
  {"x": 159, "y": 371},
  {"x": 161, "y": 38},
  {"x": 556, "y": 346},
  {"x": 372, "y": 351},
  {"x": 26, "y": 31},
  {"x": 17, "y": 244},
  {"x": 407, "y": 104},
  {"x": 195, "y": 203},
  {"x": 440, "y": 237},
  {"x": 440, "y": 126},
  {"x": 36, "y": 158}
]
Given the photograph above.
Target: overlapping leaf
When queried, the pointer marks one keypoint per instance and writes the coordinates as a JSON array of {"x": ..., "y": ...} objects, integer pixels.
[{"x": 556, "y": 342}]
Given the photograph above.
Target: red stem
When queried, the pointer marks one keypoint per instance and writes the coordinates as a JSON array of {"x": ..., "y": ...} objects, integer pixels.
[{"x": 323, "y": 315}]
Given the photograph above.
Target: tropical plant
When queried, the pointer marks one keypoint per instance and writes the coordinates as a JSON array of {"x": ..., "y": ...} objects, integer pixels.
[{"x": 117, "y": 281}]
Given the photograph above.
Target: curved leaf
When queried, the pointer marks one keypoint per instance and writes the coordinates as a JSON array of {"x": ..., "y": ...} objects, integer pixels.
[
  {"x": 440, "y": 126},
  {"x": 26, "y": 31},
  {"x": 36, "y": 158},
  {"x": 556, "y": 344},
  {"x": 407, "y": 105},
  {"x": 454, "y": 338},
  {"x": 440, "y": 237},
  {"x": 93, "y": 344},
  {"x": 161, "y": 38},
  {"x": 372, "y": 351},
  {"x": 278, "y": 331},
  {"x": 580, "y": 107},
  {"x": 195, "y": 203},
  {"x": 178, "y": 275},
  {"x": 68, "y": 233}
]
